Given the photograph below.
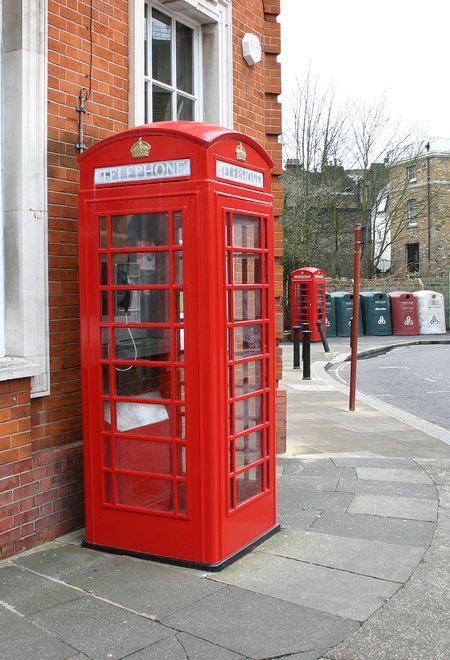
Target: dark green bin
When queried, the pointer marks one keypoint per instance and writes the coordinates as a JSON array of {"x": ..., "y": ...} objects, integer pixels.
[
  {"x": 344, "y": 312},
  {"x": 330, "y": 322},
  {"x": 376, "y": 313}
]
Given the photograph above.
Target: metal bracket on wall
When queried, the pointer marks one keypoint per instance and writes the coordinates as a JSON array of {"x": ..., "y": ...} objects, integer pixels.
[{"x": 81, "y": 109}]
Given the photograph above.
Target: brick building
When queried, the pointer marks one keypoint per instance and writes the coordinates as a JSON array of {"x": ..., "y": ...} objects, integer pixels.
[
  {"x": 419, "y": 205},
  {"x": 74, "y": 73}
]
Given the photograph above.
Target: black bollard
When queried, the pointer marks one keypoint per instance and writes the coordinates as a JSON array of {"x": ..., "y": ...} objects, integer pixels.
[
  {"x": 296, "y": 330},
  {"x": 306, "y": 353},
  {"x": 326, "y": 348}
]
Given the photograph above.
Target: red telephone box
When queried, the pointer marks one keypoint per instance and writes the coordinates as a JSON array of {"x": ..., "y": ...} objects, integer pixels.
[
  {"x": 308, "y": 299},
  {"x": 177, "y": 343}
]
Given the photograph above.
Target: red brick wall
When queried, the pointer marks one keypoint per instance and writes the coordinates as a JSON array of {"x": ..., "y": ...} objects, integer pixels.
[
  {"x": 258, "y": 113},
  {"x": 40, "y": 493}
]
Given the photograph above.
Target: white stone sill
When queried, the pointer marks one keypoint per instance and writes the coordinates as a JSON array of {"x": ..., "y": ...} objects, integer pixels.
[{"x": 15, "y": 367}]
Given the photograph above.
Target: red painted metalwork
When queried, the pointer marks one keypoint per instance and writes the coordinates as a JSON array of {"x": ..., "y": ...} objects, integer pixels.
[
  {"x": 177, "y": 342},
  {"x": 308, "y": 299}
]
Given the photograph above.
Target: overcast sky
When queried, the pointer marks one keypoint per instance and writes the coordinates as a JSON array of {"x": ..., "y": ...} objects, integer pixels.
[{"x": 370, "y": 48}]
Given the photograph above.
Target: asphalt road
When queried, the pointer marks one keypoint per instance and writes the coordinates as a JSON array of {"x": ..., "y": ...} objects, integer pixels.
[{"x": 413, "y": 378}]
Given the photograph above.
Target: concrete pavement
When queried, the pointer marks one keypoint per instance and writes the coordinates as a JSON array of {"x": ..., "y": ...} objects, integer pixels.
[{"x": 358, "y": 571}]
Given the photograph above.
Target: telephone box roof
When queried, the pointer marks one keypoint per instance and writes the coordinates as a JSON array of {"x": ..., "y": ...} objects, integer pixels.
[{"x": 198, "y": 132}]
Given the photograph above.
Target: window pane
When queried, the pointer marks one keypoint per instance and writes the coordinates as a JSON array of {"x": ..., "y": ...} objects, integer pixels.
[
  {"x": 248, "y": 413},
  {"x": 246, "y": 268},
  {"x": 102, "y": 232},
  {"x": 248, "y": 484},
  {"x": 178, "y": 228},
  {"x": 247, "y": 341},
  {"x": 147, "y": 419},
  {"x": 184, "y": 58},
  {"x": 141, "y": 268},
  {"x": 248, "y": 449},
  {"x": 142, "y": 229},
  {"x": 145, "y": 493},
  {"x": 162, "y": 104},
  {"x": 143, "y": 382},
  {"x": 247, "y": 377},
  {"x": 143, "y": 456},
  {"x": 185, "y": 108},
  {"x": 246, "y": 231},
  {"x": 142, "y": 306},
  {"x": 161, "y": 47},
  {"x": 247, "y": 304},
  {"x": 151, "y": 344}
]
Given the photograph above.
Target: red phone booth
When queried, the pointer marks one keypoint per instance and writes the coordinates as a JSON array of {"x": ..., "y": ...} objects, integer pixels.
[
  {"x": 308, "y": 299},
  {"x": 177, "y": 343}
]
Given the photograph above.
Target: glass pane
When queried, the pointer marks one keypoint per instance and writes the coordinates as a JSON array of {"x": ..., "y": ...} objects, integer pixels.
[
  {"x": 179, "y": 382},
  {"x": 247, "y": 377},
  {"x": 140, "y": 229},
  {"x": 246, "y": 231},
  {"x": 144, "y": 492},
  {"x": 182, "y": 497},
  {"x": 103, "y": 238},
  {"x": 149, "y": 419},
  {"x": 185, "y": 108},
  {"x": 247, "y": 340},
  {"x": 178, "y": 228},
  {"x": 161, "y": 47},
  {"x": 107, "y": 483},
  {"x": 178, "y": 267},
  {"x": 143, "y": 456},
  {"x": 248, "y": 484},
  {"x": 181, "y": 422},
  {"x": 142, "y": 306},
  {"x": 248, "y": 413},
  {"x": 105, "y": 378},
  {"x": 103, "y": 270},
  {"x": 179, "y": 307},
  {"x": 247, "y": 268},
  {"x": 181, "y": 460},
  {"x": 247, "y": 304},
  {"x": 161, "y": 104},
  {"x": 104, "y": 306},
  {"x": 141, "y": 268},
  {"x": 184, "y": 58},
  {"x": 142, "y": 344},
  {"x": 144, "y": 382},
  {"x": 107, "y": 452},
  {"x": 248, "y": 449},
  {"x": 105, "y": 342},
  {"x": 179, "y": 341}
]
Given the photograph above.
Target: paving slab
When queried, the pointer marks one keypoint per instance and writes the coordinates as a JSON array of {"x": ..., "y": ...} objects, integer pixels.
[
  {"x": 258, "y": 626},
  {"x": 388, "y": 530},
  {"x": 415, "y": 622},
  {"x": 310, "y": 483},
  {"x": 372, "y": 558},
  {"x": 20, "y": 639},
  {"x": 406, "y": 476},
  {"x": 289, "y": 498},
  {"x": 391, "y": 488},
  {"x": 62, "y": 561},
  {"x": 341, "y": 593},
  {"x": 297, "y": 518},
  {"x": 394, "y": 507},
  {"x": 29, "y": 593},
  {"x": 183, "y": 646},
  {"x": 147, "y": 587},
  {"x": 383, "y": 463},
  {"x": 100, "y": 630}
]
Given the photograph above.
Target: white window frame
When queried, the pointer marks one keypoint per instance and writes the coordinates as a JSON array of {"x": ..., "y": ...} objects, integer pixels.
[
  {"x": 196, "y": 96},
  {"x": 412, "y": 212},
  {"x": 212, "y": 19},
  {"x": 411, "y": 172},
  {"x": 24, "y": 198}
]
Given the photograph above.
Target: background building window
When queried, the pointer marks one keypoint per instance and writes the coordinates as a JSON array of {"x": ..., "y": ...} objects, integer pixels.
[
  {"x": 412, "y": 213},
  {"x": 411, "y": 173},
  {"x": 412, "y": 257}
]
